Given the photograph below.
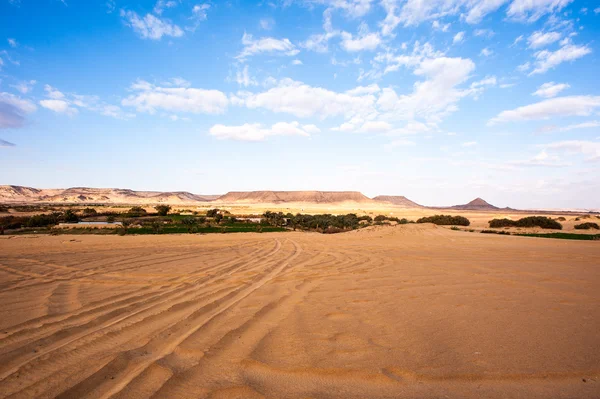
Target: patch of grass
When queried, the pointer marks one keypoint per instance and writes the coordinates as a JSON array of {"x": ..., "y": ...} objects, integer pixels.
[{"x": 565, "y": 236}]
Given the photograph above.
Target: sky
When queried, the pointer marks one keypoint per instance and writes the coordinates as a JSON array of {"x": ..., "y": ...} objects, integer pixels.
[{"x": 441, "y": 101}]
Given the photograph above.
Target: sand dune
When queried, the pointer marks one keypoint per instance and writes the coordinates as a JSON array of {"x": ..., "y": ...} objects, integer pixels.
[{"x": 410, "y": 311}]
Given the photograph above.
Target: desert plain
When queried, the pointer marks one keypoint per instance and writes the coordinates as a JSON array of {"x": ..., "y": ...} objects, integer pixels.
[{"x": 406, "y": 311}]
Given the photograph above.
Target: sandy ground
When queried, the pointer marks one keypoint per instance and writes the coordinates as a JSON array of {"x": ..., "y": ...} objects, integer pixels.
[{"x": 412, "y": 311}]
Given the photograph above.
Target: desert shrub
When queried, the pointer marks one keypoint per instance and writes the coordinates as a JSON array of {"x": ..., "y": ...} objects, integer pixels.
[
  {"x": 445, "y": 220},
  {"x": 365, "y": 218},
  {"x": 530, "y": 221},
  {"x": 69, "y": 217},
  {"x": 211, "y": 213},
  {"x": 162, "y": 210},
  {"x": 587, "y": 226},
  {"x": 3, "y": 208},
  {"x": 496, "y": 223},
  {"x": 380, "y": 218},
  {"x": 454, "y": 228},
  {"x": 561, "y": 219},
  {"x": 539, "y": 221},
  {"x": 495, "y": 232},
  {"x": 43, "y": 220},
  {"x": 110, "y": 219},
  {"x": 136, "y": 211}
]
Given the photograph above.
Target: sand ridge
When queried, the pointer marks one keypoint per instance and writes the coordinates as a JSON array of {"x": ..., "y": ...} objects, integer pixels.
[{"x": 413, "y": 311}]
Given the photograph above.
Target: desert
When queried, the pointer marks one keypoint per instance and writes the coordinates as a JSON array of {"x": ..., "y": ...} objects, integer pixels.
[
  {"x": 384, "y": 309},
  {"x": 414, "y": 311},
  {"x": 299, "y": 199}
]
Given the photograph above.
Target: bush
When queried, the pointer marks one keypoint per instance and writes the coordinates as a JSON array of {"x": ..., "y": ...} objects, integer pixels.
[
  {"x": 162, "y": 210},
  {"x": 587, "y": 226},
  {"x": 455, "y": 228},
  {"x": 530, "y": 221},
  {"x": 137, "y": 211},
  {"x": 445, "y": 220},
  {"x": 211, "y": 213},
  {"x": 496, "y": 223},
  {"x": 380, "y": 218},
  {"x": 110, "y": 219}
]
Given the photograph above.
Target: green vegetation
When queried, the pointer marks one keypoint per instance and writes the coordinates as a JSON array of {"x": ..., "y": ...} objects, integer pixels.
[
  {"x": 564, "y": 236},
  {"x": 136, "y": 211},
  {"x": 587, "y": 226},
  {"x": 530, "y": 221},
  {"x": 162, "y": 210},
  {"x": 445, "y": 220},
  {"x": 495, "y": 232}
]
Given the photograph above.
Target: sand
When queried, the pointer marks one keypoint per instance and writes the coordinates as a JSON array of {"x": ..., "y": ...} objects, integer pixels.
[{"x": 414, "y": 311}]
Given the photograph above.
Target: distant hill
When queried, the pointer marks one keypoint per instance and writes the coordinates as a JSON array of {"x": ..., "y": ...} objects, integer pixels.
[
  {"x": 88, "y": 195},
  {"x": 398, "y": 200},
  {"x": 276, "y": 197},
  {"x": 477, "y": 204}
]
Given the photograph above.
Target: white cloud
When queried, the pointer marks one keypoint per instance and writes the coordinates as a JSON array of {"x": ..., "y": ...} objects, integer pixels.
[
  {"x": 434, "y": 97},
  {"x": 541, "y": 159},
  {"x": 436, "y": 25},
  {"x": 320, "y": 42},
  {"x": 12, "y": 43},
  {"x": 524, "y": 67},
  {"x": 518, "y": 40},
  {"x": 150, "y": 27},
  {"x": 392, "y": 20},
  {"x": 568, "y": 128},
  {"x": 550, "y": 89},
  {"x": 13, "y": 110},
  {"x": 110, "y": 6},
  {"x": 150, "y": 98},
  {"x": 532, "y": 10},
  {"x": 243, "y": 78},
  {"x": 303, "y": 101},
  {"x": 199, "y": 14},
  {"x": 267, "y": 23},
  {"x": 52, "y": 93},
  {"x": 554, "y": 107},
  {"x": 542, "y": 39},
  {"x": 484, "y": 33},
  {"x": 257, "y": 132},
  {"x": 369, "y": 41},
  {"x": 546, "y": 60},
  {"x": 296, "y": 62},
  {"x": 590, "y": 149},
  {"x": 266, "y": 45},
  {"x": 469, "y": 144},
  {"x": 24, "y": 87},
  {"x": 488, "y": 81},
  {"x": 59, "y": 106},
  {"x": 458, "y": 38},
  {"x": 597, "y": 10},
  {"x": 486, "y": 52},
  {"x": 161, "y": 5},
  {"x": 481, "y": 8}
]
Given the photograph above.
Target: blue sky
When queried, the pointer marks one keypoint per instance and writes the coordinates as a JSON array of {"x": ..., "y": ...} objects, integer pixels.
[{"x": 441, "y": 101}]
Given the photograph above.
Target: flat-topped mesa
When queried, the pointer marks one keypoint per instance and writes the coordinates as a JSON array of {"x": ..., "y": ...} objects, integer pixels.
[
  {"x": 476, "y": 204},
  {"x": 398, "y": 200},
  {"x": 274, "y": 197}
]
